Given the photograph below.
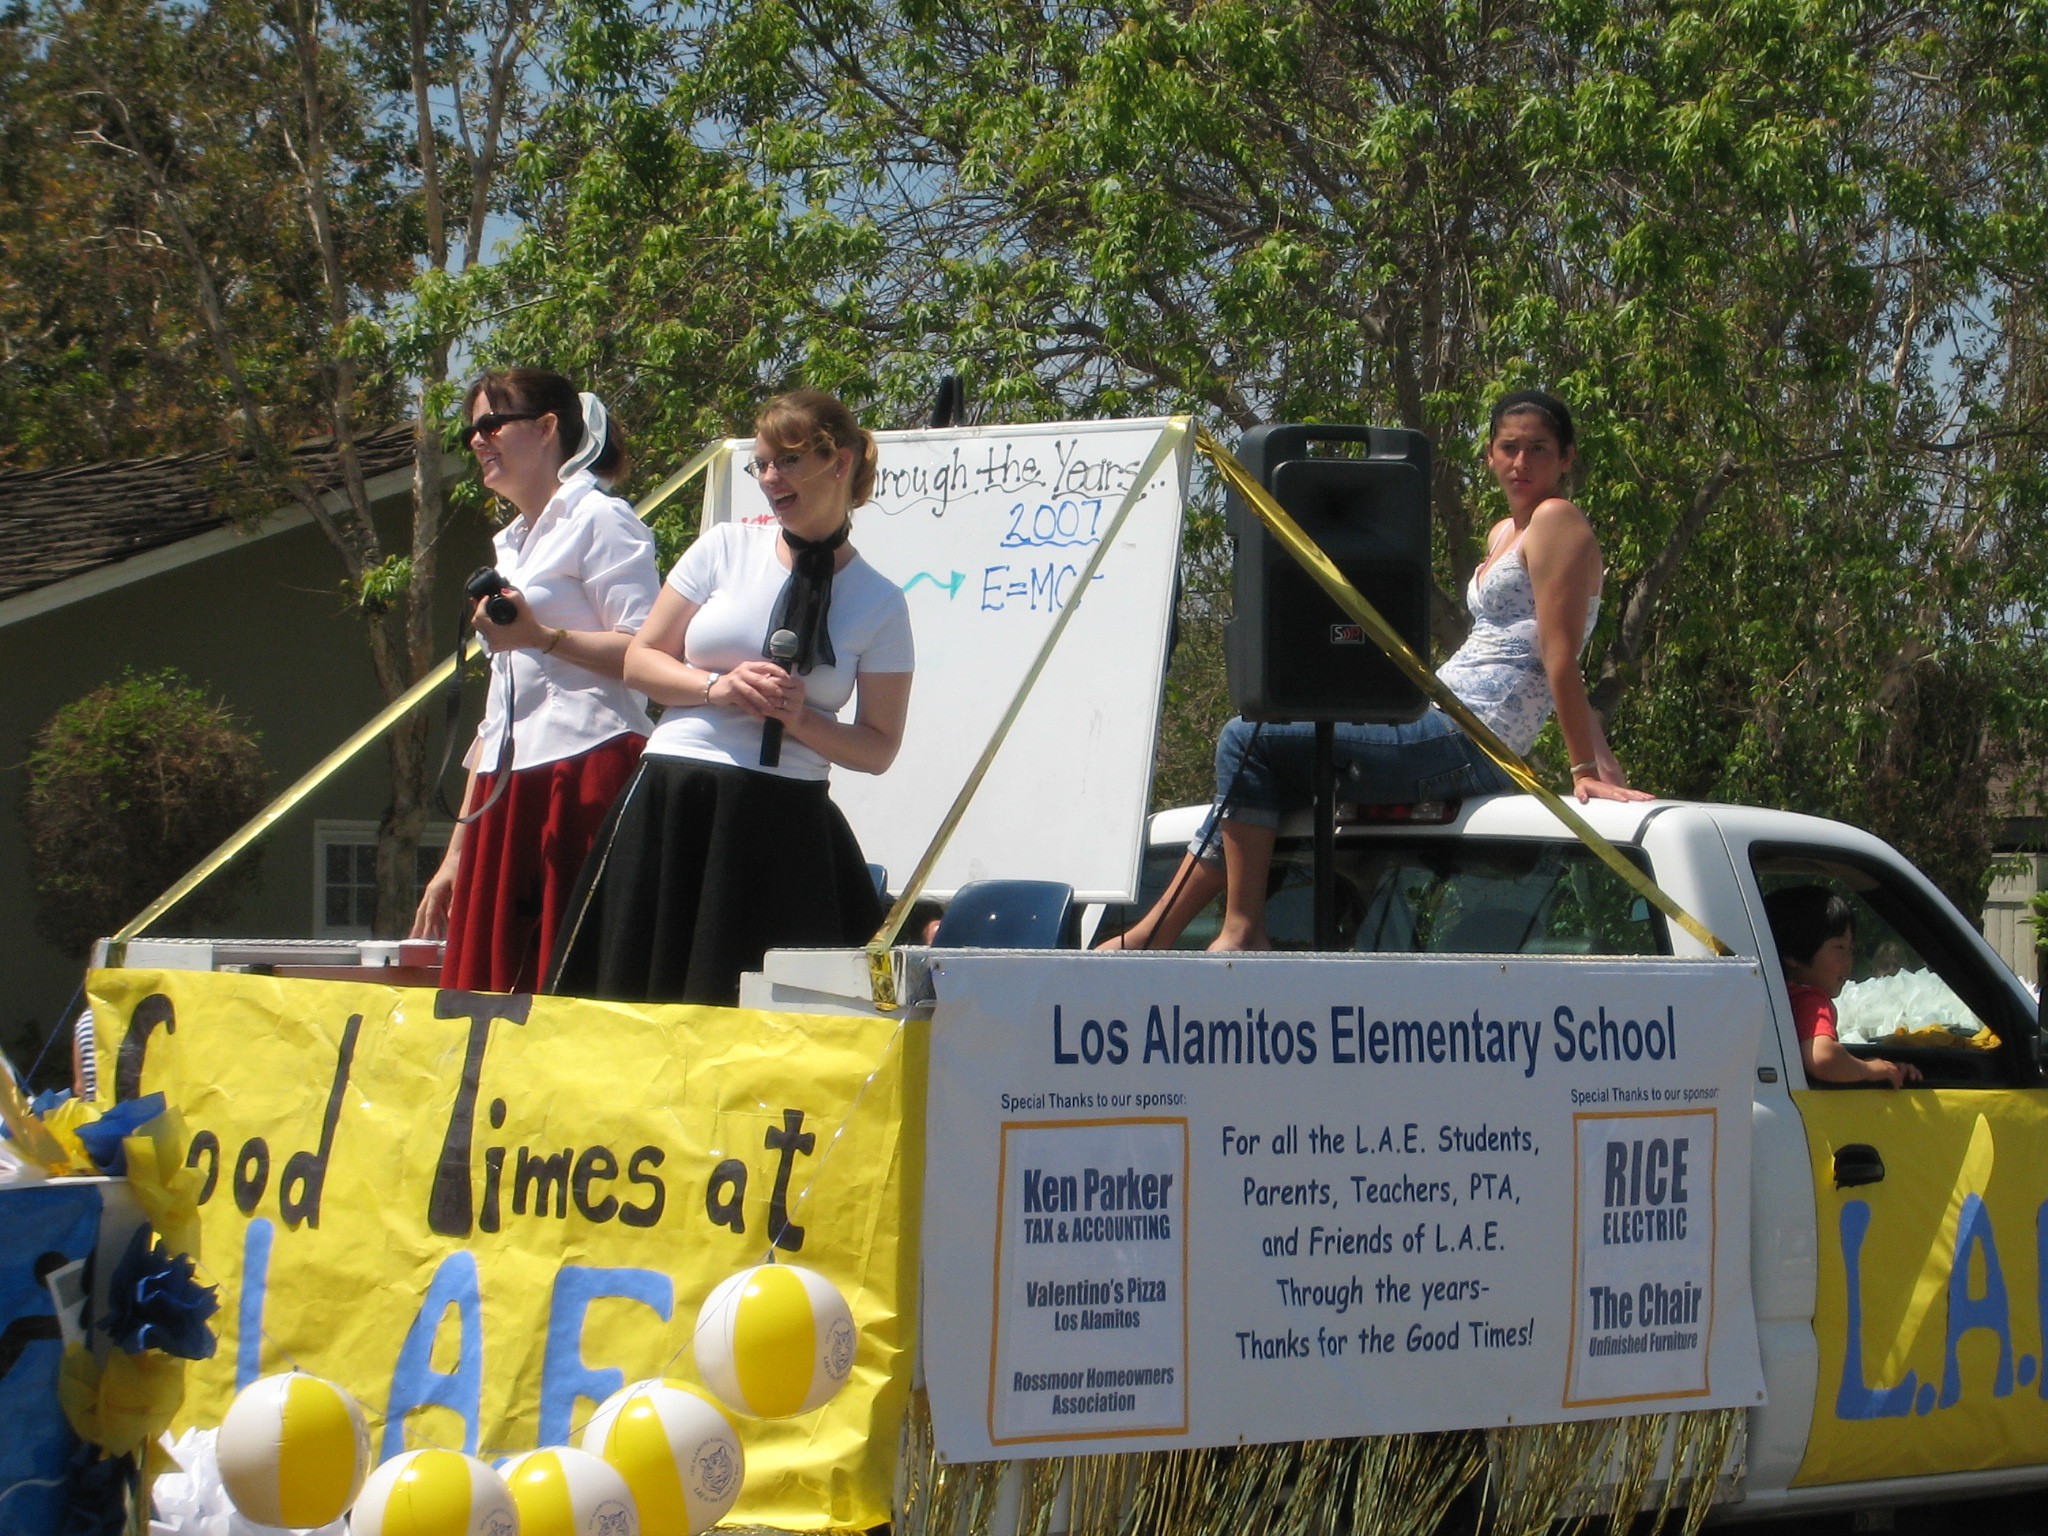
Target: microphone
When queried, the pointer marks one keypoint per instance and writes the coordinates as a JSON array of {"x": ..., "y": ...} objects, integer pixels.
[{"x": 782, "y": 651}]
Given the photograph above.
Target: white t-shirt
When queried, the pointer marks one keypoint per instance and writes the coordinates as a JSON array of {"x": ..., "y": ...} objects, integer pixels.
[
  {"x": 586, "y": 563},
  {"x": 732, "y": 574}
]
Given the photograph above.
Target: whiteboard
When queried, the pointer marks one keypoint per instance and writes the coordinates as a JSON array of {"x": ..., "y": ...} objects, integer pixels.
[{"x": 986, "y": 530}]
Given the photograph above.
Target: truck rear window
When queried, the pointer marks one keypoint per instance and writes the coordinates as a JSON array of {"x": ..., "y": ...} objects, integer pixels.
[{"x": 1440, "y": 896}]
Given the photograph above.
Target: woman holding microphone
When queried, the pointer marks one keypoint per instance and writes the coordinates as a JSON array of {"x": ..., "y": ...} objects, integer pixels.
[
  {"x": 727, "y": 843},
  {"x": 561, "y": 731}
]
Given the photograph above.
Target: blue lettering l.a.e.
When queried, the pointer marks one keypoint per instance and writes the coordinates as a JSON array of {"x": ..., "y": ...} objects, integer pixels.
[
  {"x": 256, "y": 1244},
  {"x": 563, "y": 1375},
  {"x": 1967, "y": 1313},
  {"x": 414, "y": 1381},
  {"x": 2041, "y": 1285},
  {"x": 1854, "y": 1400}
]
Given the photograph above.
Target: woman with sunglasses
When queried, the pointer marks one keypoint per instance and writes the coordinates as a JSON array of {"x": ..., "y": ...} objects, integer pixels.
[
  {"x": 561, "y": 731},
  {"x": 727, "y": 843}
]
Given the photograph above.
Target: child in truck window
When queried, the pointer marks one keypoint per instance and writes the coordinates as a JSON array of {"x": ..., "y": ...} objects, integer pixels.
[{"x": 1815, "y": 932}]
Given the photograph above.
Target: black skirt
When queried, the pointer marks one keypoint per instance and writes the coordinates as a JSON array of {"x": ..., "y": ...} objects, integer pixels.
[{"x": 700, "y": 870}]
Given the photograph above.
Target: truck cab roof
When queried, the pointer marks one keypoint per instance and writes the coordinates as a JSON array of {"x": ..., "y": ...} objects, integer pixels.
[{"x": 1520, "y": 815}]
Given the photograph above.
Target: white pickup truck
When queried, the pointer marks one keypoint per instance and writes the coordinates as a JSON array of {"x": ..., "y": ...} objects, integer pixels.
[
  {"x": 1899, "y": 1244},
  {"x": 1899, "y": 1240}
]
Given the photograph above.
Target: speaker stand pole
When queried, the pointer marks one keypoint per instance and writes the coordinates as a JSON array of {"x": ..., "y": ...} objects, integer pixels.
[{"x": 1324, "y": 772}]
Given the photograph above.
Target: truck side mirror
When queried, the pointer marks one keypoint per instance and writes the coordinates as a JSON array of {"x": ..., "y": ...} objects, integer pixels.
[{"x": 2040, "y": 1012}]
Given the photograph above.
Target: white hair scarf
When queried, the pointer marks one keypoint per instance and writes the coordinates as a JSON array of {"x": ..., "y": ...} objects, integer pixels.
[{"x": 597, "y": 428}]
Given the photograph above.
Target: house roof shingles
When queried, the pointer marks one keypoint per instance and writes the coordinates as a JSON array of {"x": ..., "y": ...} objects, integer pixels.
[{"x": 56, "y": 524}]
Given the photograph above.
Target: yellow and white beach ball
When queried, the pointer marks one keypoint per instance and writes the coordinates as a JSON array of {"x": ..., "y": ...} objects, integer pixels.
[
  {"x": 775, "y": 1340},
  {"x": 676, "y": 1449},
  {"x": 293, "y": 1451},
  {"x": 565, "y": 1492},
  {"x": 434, "y": 1493}
]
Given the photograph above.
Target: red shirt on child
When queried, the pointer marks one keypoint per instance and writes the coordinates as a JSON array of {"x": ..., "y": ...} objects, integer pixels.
[{"x": 1813, "y": 1012}]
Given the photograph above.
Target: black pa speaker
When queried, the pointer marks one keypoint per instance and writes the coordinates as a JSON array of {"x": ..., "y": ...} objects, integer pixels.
[{"x": 1293, "y": 653}]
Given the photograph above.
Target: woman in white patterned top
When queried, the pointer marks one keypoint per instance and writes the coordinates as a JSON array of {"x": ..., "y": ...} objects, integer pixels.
[{"x": 1534, "y": 600}]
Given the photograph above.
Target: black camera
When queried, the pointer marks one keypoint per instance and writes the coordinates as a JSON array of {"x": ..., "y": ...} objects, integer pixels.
[{"x": 487, "y": 584}]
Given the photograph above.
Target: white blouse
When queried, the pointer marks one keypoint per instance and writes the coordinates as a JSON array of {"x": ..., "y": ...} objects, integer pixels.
[
  {"x": 1498, "y": 671},
  {"x": 586, "y": 563},
  {"x": 734, "y": 577}
]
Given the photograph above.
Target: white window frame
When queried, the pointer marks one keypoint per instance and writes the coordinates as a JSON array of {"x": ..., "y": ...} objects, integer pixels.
[{"x": 354, "y": 834}]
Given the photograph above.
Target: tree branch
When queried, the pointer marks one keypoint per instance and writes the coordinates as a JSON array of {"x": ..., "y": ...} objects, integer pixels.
[{"x": 1618, "y": 667}]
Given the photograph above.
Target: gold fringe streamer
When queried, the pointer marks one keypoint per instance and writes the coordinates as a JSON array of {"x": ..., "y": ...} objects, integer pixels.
[
  {"x": 1325, "y": 1474},
  {"x": 1406, "y": 1483},
  {"x": 1042, "y": 1480},
  {"x": 1170, "y": 1493},
  {"x": 1539, "y": 1471},
  {"x": 915, "y": 1466},
  {"x": 1638, "y": 1443},
  {"x": 948, "y": 1487},
  {"x": 1541, "y": 1476},
  {"x": 981, "y": 1491},
  {"x": 1701, "y": 1445},
  {"x": 1547, "y": 1474},
  {"x": 1253, "y": 1488}
]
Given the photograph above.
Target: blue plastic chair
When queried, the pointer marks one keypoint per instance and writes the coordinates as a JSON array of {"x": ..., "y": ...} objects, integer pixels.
[{"x": 1010, "y": 914}]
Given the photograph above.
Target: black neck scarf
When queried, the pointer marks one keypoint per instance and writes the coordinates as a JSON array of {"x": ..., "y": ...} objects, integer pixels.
[{"x": 806, "y": 600}]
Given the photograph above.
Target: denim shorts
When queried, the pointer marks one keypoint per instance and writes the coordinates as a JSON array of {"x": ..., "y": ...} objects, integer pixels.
[{"x": 1266, "y": 771}]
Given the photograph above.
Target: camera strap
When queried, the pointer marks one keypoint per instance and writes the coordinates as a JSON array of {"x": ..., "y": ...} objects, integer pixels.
[{"x": 452, "y": 718}]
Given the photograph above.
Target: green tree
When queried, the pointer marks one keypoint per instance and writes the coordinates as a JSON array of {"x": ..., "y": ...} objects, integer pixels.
[
  {"x": 104, "y": 352},
  {"x": 464, "y": 102},
  {"x": 127, "y": 789},
  {"x": 651, "y": 266},
  {"x": 294, "y": 182},
  {"x": 1783, "y": 259}
]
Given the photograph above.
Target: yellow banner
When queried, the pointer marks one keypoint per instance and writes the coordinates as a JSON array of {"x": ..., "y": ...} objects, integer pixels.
[
  {"x": 1932, "y": 1295},
  {"x": 482, "y": 1214}
]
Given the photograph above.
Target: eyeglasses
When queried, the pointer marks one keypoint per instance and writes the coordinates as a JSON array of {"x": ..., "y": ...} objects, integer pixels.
[
  {"x": 487, "y": 426},
  {"x": 787, "y": 464}
]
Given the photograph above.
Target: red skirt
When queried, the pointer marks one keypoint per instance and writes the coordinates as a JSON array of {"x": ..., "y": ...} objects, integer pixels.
[{"x": 520, "y": 860}]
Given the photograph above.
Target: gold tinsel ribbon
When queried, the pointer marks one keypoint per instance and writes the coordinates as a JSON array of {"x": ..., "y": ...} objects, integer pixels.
[
  {"x": 881, "y": 966},
  {"x": 881, "y": 969},
  {"x": 1319, "y": 565},
  {"x": 1527, "y": 1478},
  {"x": 54, "y": 1155},
  {"x": 342, "y": 755}
]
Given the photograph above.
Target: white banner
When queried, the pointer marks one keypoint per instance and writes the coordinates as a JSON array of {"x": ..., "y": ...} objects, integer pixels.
[{"x": 1186, "y": 1201}]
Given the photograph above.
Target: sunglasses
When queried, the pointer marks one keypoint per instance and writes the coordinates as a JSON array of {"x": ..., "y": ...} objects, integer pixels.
[
  {"x": 487, "y": 426},
  {"x": 788, "y": 463}
]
